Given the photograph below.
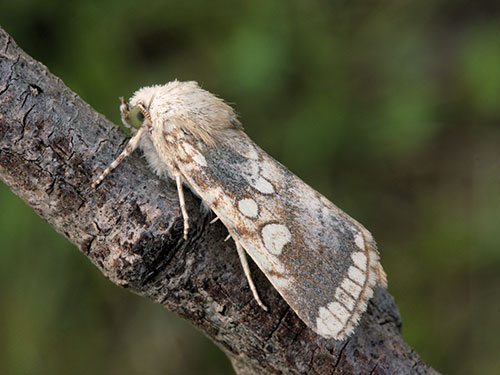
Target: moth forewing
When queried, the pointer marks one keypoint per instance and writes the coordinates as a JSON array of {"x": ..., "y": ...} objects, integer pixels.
[{"x": 323, "y": 262}]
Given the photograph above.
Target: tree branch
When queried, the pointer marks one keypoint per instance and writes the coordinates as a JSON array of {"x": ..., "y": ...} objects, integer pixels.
[{"x": 52, "y": 145}]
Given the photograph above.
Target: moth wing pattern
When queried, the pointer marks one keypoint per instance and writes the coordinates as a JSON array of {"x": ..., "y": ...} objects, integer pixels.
[{"x": 323, "y": 263}]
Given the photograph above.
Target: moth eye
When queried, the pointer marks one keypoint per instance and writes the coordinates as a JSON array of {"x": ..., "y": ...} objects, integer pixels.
[{"x": 136, "y": 117}]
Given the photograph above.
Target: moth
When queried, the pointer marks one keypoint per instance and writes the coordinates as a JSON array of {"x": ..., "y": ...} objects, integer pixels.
[{"x": 322, "y": 262}]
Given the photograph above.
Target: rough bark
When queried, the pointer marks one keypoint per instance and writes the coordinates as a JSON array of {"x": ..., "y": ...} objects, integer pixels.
[{"x": 52, "y": 145}]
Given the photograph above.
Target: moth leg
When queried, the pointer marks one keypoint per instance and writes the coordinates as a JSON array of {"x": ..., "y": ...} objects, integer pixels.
[
  {"x": 182, "y": 202},
  {"x": 246, "y": 269},
  {"x": 131, "y": 146}
]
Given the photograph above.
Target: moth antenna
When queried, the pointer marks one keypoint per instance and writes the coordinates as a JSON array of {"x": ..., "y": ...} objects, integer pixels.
[
  {"x": 145, "y": 112},
  {"x": 214, "y": 220}
]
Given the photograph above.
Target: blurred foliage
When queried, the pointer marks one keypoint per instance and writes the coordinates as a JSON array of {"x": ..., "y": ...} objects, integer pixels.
[{"x": 391, "y": 109}]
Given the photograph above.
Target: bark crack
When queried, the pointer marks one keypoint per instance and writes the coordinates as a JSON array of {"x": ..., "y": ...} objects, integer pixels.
[{"x": 339, "y": 356}]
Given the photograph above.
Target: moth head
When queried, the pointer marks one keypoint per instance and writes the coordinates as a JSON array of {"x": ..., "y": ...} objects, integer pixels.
[
  {"x": 183, "y": 105},
  {"x": 135, "y": 111},
  {"x": 136, "y": 117}
]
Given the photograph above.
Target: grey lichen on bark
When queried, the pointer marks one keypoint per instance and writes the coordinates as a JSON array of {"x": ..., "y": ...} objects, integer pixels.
[{"x": 52, "y": 145}]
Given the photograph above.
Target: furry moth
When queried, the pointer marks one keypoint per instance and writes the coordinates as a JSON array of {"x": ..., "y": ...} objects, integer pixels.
[{"x": 322, "y": 262}]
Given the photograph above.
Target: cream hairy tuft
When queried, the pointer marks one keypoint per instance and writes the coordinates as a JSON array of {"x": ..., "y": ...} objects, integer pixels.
[{"x": 186, "y": 106}]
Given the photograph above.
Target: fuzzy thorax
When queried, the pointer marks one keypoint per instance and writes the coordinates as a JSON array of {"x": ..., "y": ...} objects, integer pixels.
[{"x": 186, "y": 106}]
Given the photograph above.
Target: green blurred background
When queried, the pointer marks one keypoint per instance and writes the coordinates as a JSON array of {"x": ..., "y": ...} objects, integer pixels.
[{"x": 391, "y": 109}]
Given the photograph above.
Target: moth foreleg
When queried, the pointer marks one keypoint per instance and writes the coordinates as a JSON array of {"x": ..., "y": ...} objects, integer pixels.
[
  {"x": 131, "y": 146},
  {"x": 246, "y": 269},
  {"x": 182, "y": 202}
]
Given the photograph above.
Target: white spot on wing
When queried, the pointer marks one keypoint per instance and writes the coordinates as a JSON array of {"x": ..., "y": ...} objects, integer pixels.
[
  {"x": 245, "y": 148},
  {"x": 359, "y": 241},
  {"x": 339, "y": 311},
  {"x": 339, "y": 318},
  {"x": 356, "y": 275},
  {"x": 327, "y": 324},
  {"x": 262, "y": 185},
  {"x": 252, "y": 174},
  {"x": 351, "y": 288},
  {"x": 345, "y": 298},
  {"x": 270, "y": 169},
  {"x": 248, "y": 207},
  {"x": 359, "y": 259},
  {"x": 275, "y": 236},
  {"x": 332, "y": 319}
]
